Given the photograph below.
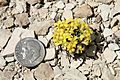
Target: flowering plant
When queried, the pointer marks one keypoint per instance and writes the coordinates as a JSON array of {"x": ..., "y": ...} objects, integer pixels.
[{"x": 73, "y": 35}]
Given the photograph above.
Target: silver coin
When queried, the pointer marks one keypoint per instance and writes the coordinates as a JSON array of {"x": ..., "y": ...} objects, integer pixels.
[{"x": 29, "y": 52}]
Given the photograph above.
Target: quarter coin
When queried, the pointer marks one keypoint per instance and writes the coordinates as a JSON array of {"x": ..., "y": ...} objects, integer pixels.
[{"x": 29, "y": 52}]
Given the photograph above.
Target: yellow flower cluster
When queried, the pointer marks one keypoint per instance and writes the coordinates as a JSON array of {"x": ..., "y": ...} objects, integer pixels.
[{"x": 73, "y": 35}]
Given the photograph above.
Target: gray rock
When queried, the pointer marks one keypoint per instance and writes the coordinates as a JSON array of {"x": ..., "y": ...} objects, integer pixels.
[
  {"x": 109, "y": 55},
  {"x": 18, "y": 33},
  {"x": 41, "y": 28},
  {"x": 107, "y": 32},
  {"x": 2, "y": 62},
  {"x": 104, "y": 11},
  {"x": 60, "y": 4},
  {"x": 9, "y": 22},
  {"x": 44, "y": 72},
  {"x": 83, "y": 11},
  {"x": 91, "y": 52},
  {"x": 113, "y": 46},
  {"x": 28, "y": 75},
  {"x": 50, "y": 54},
  {"x": 4, "y": 36},
  {"x": 21, "y": 19},
  {"x": 67, "y": 14}
]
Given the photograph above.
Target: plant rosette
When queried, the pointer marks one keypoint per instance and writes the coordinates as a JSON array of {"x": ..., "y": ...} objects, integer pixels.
[{"x": 74, "y": 35}]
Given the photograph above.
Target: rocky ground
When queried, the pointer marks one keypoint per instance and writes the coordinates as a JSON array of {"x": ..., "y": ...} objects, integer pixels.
[{"x": 35, "y": 18}]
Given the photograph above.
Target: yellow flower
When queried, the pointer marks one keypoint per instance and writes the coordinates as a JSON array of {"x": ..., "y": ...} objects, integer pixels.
[{"x": 71, "y": 34}]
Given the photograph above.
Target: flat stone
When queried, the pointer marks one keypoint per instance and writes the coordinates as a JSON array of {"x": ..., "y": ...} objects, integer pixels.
[
  {"x": 21, "y": 19},
  {"x": 93, "y": 4},
  {"x": 104, "y": 11},
  {"x": 49, "y": 35},
  {"x": 106, "y": 73},
  {"x": 7, "y": 75},
  {"x": 81, "y": 1},
  {"x": 117, "y": 77},
  {"x": 96, "y": 70},
  {"x": 47, "y": 4},
  {"x": 95, "y": 26},
  {"x": 76, "y": 63},
  {"x": 117, "y": 5},
  {"x": 118, "y": 54},
  {"x": 53, "y": 15},
  {"x": 18, "y": 33},
  {"x": 60, "y": 4},
  {"x": 41, "y": 28},
  {"x": 74, "y": 74},
  {"x": 112, "y": 13},
  {"x": 43, "y": 40},
  {"x": 67, "y": 14},
  {"x": 117, "y": 34},
  {"x": 57, "y": 71},
  {"x": 20, "y": 6},
  {"x": 83, "y": 11},
  {"x": 84, "y": 68},
  {"x": 28, "y": 75},
  {"x": 106, "y": 24},
  {"x": 113, "y": 46},
  {"x": 44, "y": 72},
  {"x": 109, "y": 55},
  {"x": 4, "y": 36},
  {"x": 32, "y": 2},
  {"x": 50, "y": 54},
  {"x": 107, "y": 32},
  {"x": 115, "y": 29},
  {"x": 3, "y": 2},
  {"x": 2, "y": 62},
  {"x": 103, "y": 1},
  {"x": 9, "y": 22},
  {"x": 10, "y": 59},
  {"x": 114, "y": 22},
  {"x": 64, "y": 61},
  {"x": 69, "y": 6},
  {"x": 43, "y": 13}
]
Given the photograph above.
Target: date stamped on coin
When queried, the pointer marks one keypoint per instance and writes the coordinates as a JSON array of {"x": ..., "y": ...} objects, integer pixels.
[{"x": 29, "y": 52}]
